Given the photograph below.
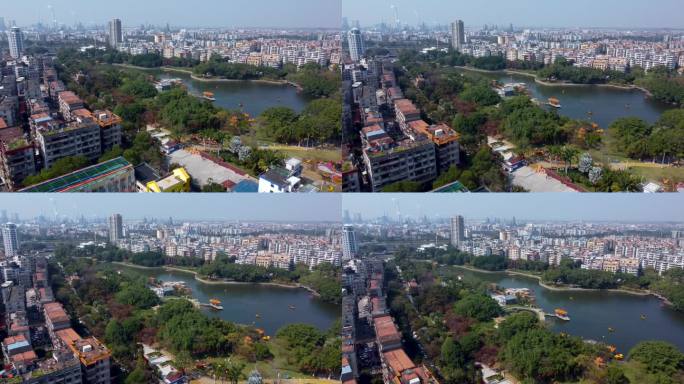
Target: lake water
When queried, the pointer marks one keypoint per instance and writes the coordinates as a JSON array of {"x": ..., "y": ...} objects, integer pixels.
[
  {"x": 242, "y": 302},
  {"x": 255, "y": 97},
  {"x": 606, "y": 104},
  {"x": 593, "y": 312}
]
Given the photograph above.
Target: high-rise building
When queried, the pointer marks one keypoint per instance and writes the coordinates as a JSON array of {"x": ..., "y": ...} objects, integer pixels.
[
  {"x": 350, "y": 247},
  {"x": 115, "y": 228},
  {"x": 16, "y": 42},
  {"x": 457, "y": 231},
  {"x": 356, "y": 46},
  {"x": 3, "y": 26},
  {"x": 115, "y": 33},
  {"x": 10, "y": 239},
  {"x": 457, "y": 35}
]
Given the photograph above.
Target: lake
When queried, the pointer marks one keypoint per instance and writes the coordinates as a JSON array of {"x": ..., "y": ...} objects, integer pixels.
[
  {"x": 255, "y": 97},
  {"x": 242, "y": 302},
  {"x": 606, "y": 104},
  {"x": 593, "y": 312}
]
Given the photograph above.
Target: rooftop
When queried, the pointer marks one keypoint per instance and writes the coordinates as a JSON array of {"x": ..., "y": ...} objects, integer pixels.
[
  {"x": 398, "y": 361},
  {"x": 80, "y": 177}
]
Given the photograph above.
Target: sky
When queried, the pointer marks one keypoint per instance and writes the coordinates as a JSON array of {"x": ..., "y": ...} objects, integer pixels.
[
  {"x": 626, "y": 207},
  {"x": 205, "y": 13},
  {"x": 536, "y": 13},
  {"x": 247, "y": 207}
]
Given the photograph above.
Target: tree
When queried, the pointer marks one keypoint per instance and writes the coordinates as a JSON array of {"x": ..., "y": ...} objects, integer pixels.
[
  {"x": 452, "y": 353},
  {"x": 59, "y": 168},
  {"x": 659, "y": 357},
  {"x": 451, "y": 175},
  {"x": 403, "y": 186},
  {"x": 595, "y": 175},
  {"x": 517, "y": 323},
  {"x": 480, "y": 94},
  {"x": 585, "y": 163},
  {"x": 234, "y": 372},
  {"x": 477, "y": 306},
  {"x": 568, "y": 154}
]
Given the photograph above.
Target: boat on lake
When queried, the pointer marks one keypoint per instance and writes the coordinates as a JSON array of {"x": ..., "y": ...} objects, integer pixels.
[
  {"x": 208, "y": 96},
  {"x": 562, "y": 314},
  {"x": 554, "y": 102}
]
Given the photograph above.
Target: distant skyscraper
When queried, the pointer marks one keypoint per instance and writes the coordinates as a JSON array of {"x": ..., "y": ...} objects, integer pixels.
[
  {"x": 345, "y": 24},
  {"x": 457, "y": 231},
  {"x": 115, "y": 228},
  {"x": 10, "y": 239},
  {"x": 16, "y": 42},
  {"x": 356, "y": 47},
  {"x": 115, "y": 33},
  {"x": 3, "y": 27},
  {"x": 457, "y": 35},
  {"x": 349, "y": 245}
]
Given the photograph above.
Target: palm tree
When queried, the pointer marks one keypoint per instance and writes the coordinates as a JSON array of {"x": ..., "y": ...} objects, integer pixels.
[
  {"x": 569, "y": 154},
  {"x": 234, "y": 372},
  {"x": 219, "y": 371}
]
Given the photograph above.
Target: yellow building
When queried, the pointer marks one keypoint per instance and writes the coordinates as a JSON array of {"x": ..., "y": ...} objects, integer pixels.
[{"x": 178, "y": 181}]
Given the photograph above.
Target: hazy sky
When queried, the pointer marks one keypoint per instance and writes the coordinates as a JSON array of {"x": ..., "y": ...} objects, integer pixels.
[
  {"x": 292, "y": 207},
  {"x": 210, "y": 13},
  {"x": 568, "y": 13},
  {"x": 535, "y": 206}
]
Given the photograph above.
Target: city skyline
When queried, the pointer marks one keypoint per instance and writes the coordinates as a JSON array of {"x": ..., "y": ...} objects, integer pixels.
[
  {"x": 655, "y": 14},
  {"x": 267, "y": 13},
  {"x": 247, "y": 207},
  {"x": 539, "y": 206}
]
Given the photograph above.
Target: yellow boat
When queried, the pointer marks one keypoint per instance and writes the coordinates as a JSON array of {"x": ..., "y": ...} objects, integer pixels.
[{"x": 562, "y": 314}]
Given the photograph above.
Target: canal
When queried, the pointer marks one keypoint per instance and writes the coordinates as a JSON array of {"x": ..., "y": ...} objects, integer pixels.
[
  {"x": 605, "y": 104},
  {"x": 243, "y": 302},
  {"x": 252, "y": 96},
  {"x": 593, "y": 312}
]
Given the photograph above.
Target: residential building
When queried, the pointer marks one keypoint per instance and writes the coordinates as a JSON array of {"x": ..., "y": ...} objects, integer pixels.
[
  {"x": 115, "y": 33},
  {"x": 350, "y": 246},
  {"x": 115, "y": 228},
  {"x": 16, "y": 42},
  {"x": 17, "y": 158},
  {"x": 10, "y": 239},
  {"x": 80, "y": 137},
  {"x": 457, "y": 231},
  {"x": 356, "y": 44},
  {"x": 457, "y": 35}
]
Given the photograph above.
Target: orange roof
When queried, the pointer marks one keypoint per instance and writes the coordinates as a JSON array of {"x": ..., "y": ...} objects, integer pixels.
[
  {"x": 440, "y": 134},
  {"x": 68, "y": 335},
  {"x": 406, "y": 107},
  {"x": 385, "y": 328},
  {"x": 14, "y": 339},
  {"x": 24, "y": 356},
  {"x": 82, "y": 112},
  {"x": 3, "y": 124},
  {"x": 55, "y": 312},
  {"x": 398, "y": 361},
  {"x": 69, "y": 97}
]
